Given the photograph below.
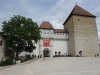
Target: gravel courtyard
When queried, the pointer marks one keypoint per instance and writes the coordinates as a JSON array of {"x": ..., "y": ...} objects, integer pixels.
[{"x": 56, "y": 66}]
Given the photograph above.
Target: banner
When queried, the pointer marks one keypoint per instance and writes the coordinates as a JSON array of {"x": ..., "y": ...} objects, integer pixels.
[{"x": 46, "y": 43}]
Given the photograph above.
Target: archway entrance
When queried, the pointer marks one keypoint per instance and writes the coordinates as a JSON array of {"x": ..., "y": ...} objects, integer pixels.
[{"x": 46, "y": 52}]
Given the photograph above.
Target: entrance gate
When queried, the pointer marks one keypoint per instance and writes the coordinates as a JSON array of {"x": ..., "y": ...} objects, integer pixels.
[{"x": 46, "y": 52}]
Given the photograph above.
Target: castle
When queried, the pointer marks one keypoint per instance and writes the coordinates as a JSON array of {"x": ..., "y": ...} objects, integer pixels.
[{"x": 78, "y": 38}]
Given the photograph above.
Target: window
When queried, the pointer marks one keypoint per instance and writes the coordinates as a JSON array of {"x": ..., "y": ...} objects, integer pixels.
[{"x": 0, "y": 42}]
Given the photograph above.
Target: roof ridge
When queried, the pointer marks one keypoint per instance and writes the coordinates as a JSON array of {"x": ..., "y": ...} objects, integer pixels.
[
  {"x": 79, "y": 11},
  {"x": 78, "y": 8},
  {"x": 46, "y": 25}
]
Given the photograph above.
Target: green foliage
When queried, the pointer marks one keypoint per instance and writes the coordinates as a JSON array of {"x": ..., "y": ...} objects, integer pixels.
[
  {"x": 6, "y": 62},
  {"x": 19, "y": 32},
  {"x": 25, "y": 58}
]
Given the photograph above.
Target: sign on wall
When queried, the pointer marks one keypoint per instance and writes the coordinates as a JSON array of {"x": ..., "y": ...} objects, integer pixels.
[{"x": 46, "y": 43}]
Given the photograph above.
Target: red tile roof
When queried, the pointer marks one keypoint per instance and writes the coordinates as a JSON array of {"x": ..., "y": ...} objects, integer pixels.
[
  {"x": 46, "y": 25},
  {"x": 80, "y": 11},
  {"x": 77, "y": 10},
  {"x": 59, "y": 31}
]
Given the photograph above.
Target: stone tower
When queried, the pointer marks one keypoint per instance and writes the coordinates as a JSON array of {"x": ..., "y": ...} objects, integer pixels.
[{"x": 83, "y": 38}]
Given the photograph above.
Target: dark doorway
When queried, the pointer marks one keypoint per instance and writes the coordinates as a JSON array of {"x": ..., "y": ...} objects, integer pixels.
[
  {"x": 80, "y": 53},
  {"x": 46, "y": 52}
]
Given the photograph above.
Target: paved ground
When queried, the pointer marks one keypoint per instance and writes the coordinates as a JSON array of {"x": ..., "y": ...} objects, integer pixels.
[{"x": 56, "y": 66}]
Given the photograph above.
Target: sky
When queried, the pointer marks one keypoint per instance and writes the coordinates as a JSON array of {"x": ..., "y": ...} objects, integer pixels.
[{"x": 54, "y": 11}]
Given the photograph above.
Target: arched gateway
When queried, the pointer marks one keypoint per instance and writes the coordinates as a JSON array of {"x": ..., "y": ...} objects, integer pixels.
[{"x": 46, "y": 52}]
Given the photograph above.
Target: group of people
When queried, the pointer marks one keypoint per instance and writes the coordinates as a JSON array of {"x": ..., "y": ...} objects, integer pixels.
[{"x": 39, "y": 56}]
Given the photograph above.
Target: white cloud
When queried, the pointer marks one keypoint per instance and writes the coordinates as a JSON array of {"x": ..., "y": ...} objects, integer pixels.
[
  {"x": 96, "y": 12},
  {"x": 56, "y": 14},
  {"x": 57, "y": 24},
  {"x": 32, "y": 10},
  {"x": 99, "y": 35},
  {"x": 59, "y": 12}
]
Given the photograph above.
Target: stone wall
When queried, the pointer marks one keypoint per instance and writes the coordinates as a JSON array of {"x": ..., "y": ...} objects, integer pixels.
[
  {"x": 85, "y": 34},
  {"x": 71, "y": 43},
  {"x": 2, "y": 43},
  {"x": 82, "y": 36}
]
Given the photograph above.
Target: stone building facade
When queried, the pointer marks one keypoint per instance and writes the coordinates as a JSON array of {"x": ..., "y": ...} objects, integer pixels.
[
  {"x": 52, "y": 42},
  {"x": 82, "y": 29},
  {"x": 2, "y": 46},
  {"x": 79, "y": 36}
]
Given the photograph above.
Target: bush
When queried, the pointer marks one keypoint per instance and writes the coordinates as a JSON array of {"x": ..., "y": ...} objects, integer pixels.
[
  {"x": 9, "y": 61},
  {"x": 6, "y": 62},
  {"x": 25, "y": 58}
]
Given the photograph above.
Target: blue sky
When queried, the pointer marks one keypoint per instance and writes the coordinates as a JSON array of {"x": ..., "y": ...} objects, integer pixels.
[{"x": 54, "y": 11}]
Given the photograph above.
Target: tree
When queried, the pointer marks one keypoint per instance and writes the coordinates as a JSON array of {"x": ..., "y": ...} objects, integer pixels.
[{"x": 19, "y": 32}]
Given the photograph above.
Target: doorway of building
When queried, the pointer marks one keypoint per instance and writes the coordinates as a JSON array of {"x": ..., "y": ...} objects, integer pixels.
[
  {"x": 80, "y": 53},
  {"x": 46, "y": 52}
]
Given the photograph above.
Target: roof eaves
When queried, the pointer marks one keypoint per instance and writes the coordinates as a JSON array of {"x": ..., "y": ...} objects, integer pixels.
[{"x": 84, "y": 15}]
